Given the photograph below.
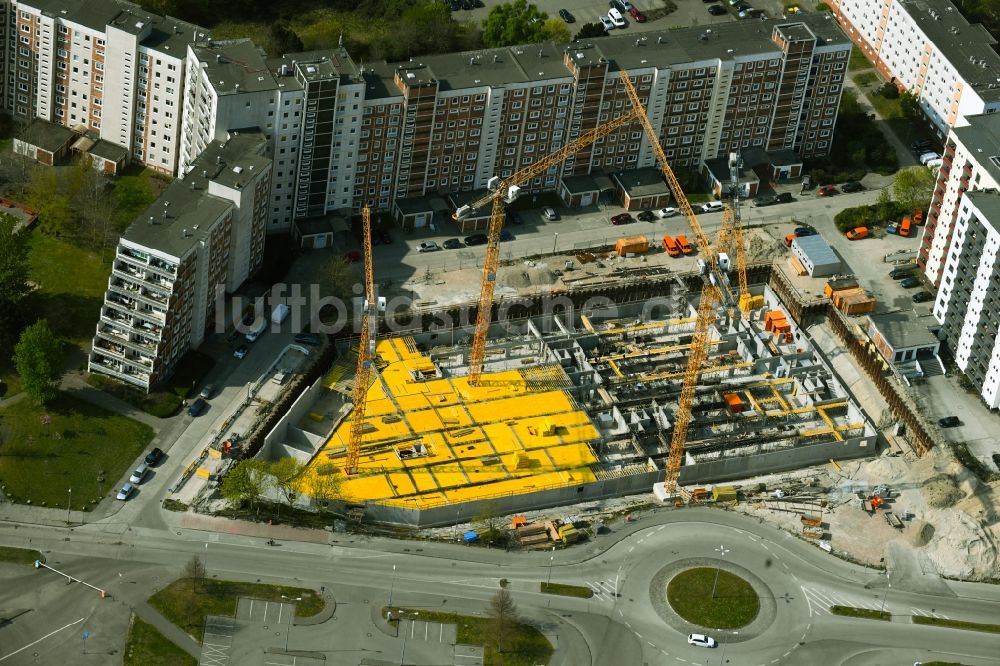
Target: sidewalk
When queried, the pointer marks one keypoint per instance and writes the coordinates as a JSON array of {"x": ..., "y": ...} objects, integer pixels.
[
  {"x": 902, "y": 151},
  {"x": 76, "y": 385}
]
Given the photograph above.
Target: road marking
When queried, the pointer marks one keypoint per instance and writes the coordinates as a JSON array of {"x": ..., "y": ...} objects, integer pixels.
[
  {"x": 660, "y": 528},
  {"x": 650, "y": 644},
  {"x": 51, "y": 633},
  {"x": 441, "y": 634},
  {"x": 620, "y": 612},
  {"x": 786, "y": 654},
  {"x": 765, "y": 546}
]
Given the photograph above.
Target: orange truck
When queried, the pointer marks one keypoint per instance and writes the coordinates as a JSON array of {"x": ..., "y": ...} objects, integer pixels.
[
  {"x": 683, "y": 243},
  {"x": 671, "y": 246},
  {"x": 905, "y": 226},
  {"x": 857, "y": 233}
]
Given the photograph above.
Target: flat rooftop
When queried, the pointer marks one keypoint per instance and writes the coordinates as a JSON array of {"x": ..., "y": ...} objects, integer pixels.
[
  {"x": 967, "y": 46},
  {"x": 981, "y": 136},
  {"x": 902, "y": 331},
  {"x": 183, "y": 214},
  {"x": 234, "y": 66}
]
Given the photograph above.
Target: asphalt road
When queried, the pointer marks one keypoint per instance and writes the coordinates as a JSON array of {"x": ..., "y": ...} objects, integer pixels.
[{"x": 798, "y": 580}]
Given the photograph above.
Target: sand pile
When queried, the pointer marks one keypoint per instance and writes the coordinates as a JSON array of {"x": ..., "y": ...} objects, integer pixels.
[
  {"x": 940, "y": 491},
  {"x": 762, "y": 246},
  {"x": 529, "y": 275}
]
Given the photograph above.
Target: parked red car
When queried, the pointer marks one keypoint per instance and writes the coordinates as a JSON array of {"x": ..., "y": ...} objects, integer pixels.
[
  {"x": 828, "y": 191},
  {"x": 637, "y": 15},
  {"x": 622, "y": 218},
  {"x": 353, "y": 256}
]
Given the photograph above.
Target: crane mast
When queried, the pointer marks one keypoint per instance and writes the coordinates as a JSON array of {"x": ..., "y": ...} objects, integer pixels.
[
  {"x": 366, "y": 351},
  {"x": 504, "y": 191},
  {"x": 710, "y": 296}
]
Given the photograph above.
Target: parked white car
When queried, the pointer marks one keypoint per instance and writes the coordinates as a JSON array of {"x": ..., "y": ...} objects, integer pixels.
[
  {"x": 712, "y": 207},
  {"x": 428, "y": 246},
  {"x": 669, "y": 211},
  {"x": 607, "y": 23},
  {"x": 616, "y": 18},
  {"x": 927, "y": 157}
]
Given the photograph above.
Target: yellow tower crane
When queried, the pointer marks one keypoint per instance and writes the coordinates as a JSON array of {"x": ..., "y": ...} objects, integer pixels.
[
  {"x": 366, "y": 351},
  {"x": 711, "y": 295},
  {"x": 504, "y": 191}
]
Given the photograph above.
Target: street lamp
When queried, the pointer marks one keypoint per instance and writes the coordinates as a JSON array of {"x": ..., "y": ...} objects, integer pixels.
[
  {"x": 391, "y": 585},
  {"x": 551, "y": 557},
  {"x": 721, "y": 550},
  {"x": 555, "y": 239},
  {"x": 888, "y": 584},
  {"x": 724, "y": 646},
  {"x": 69, "y": 503}
]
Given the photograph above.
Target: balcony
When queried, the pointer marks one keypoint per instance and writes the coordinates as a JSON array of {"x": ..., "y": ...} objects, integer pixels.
[{"x": 119, "y": 369}]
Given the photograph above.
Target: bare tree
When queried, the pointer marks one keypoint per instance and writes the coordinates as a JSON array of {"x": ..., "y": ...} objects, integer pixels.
[
  {"x": 286, "y": 472},
  {"x": 489, "y": 524},
  {"x": 195, "y": 570},
  {"x": 503, "y": 617}
]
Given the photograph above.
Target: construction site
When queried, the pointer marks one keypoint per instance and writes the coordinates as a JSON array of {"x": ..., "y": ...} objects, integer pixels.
[{"x": 572, "y": 408}]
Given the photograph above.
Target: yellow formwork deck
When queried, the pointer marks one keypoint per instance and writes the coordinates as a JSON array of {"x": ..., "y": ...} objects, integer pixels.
[{"x": 517, "y": 432}]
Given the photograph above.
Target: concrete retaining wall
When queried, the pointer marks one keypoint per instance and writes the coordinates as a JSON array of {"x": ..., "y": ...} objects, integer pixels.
[
  {"x": 744, "y": 467},
  {"x": 273, "y": 440}
]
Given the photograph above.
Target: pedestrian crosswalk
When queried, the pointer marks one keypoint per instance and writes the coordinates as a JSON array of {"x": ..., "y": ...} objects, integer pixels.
[
  {"x": 604, "y": 590},
  {"x": 820, "y": 600}
]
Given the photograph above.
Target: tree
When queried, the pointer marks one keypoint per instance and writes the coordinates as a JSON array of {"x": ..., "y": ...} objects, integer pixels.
[
  {"x": 286, "y": 473},
  {"x": 588, "y": 30},
  {"x": 195, "y": 570},
  {"x": 38, "y": 357},
  {"x": 514, "y": 23},
  {"x": 503, "y": 616},
  {"x": 909, "y": 105},
  {"x": 14, "y": 251},
  {"x": 283, "y": 39},
  {"x": 489, "y": 525},
  {"x": 884, "y": 206},
  {"x": 324, "y": 484},
  {"x": 246, "y": 482},
  {"x": 913, "y": 187},
  {"x": 45, "y": 195},
  {"x": 556, "y": 31}
]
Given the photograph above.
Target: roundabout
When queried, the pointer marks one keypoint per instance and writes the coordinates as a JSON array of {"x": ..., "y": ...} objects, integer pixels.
[{"x": 712, "y": 598}]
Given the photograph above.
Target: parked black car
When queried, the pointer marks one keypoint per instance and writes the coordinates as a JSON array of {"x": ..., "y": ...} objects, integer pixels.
[
  {"x": 922, "y": 297},
  {"x": 784, "y": 197},
  {"x": 476, "y": 239},
  {"x": 154, "y": 457},
  {"x": 765, "y": 200},
  {"x": 948, "y": 422},
  {"x": 451, "y": 244},
  {"x": 646, "y": 216},
  {"x": 852, "y": 186},
  {"x": 566, "y": 16}
]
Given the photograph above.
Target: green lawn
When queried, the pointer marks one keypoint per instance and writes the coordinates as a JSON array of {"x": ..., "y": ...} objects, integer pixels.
[
  {"x": 865, "y": 613},
  {"x": 735, "y": 603},
  {"x": 187, "y": 608},
  {"x": 957, "y": 624},
  {"x": 10, "y": 381},
  {"x": 858, "y": 61},
  {"x": 526, "y": 647},
  {"x": 84, "y": 448},
  {"x": 71, "y": 282},
  {"x": 567, "y": 590},
  {"x": 146, "y": 646},
  {"x": 20, "y": 555}
]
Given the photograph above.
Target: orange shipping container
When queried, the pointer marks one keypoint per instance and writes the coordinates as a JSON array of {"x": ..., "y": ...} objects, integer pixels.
[
  {"x": 631, "y": 245},
  {"x": 734, "y": 402}
]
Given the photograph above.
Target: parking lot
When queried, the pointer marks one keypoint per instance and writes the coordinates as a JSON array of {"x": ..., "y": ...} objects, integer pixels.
[{"x": 687, "y": 12}]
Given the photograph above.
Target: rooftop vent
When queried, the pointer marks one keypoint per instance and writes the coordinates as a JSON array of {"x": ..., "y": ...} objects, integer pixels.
[{"x": 237, "y": 169}]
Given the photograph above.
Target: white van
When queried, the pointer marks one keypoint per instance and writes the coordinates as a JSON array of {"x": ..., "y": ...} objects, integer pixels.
[
  {"x": 280, "y": 313},
  {"x": 712, "y": 207},
  {"x": 927, "y": 157}
]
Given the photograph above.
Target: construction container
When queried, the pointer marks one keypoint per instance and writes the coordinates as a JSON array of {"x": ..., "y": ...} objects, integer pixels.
[
  {"x": 858, "y": 304},
  {"x": 734, "y": 402},
  {"x": 631, "y": 245},
  {"x": 839, "y": 285},
  {"x": 797, "y": 266},
  {"x": 771, "y": 316},
  {"x": 893, "y": 520},
  {"x": 811, "y": 521},
  {"x": 724, "y": 494}
]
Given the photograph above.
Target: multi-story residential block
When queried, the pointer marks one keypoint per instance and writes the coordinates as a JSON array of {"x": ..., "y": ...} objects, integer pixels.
[
  {"x": 967, "y": 304},
  {"x": 108, "y": 66},
  {"x": 203, "y": 234},
  {"x": 344, "y": 135},
  {"x": 971, "y": 161},
  {"x": 930, "y": 49}
]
